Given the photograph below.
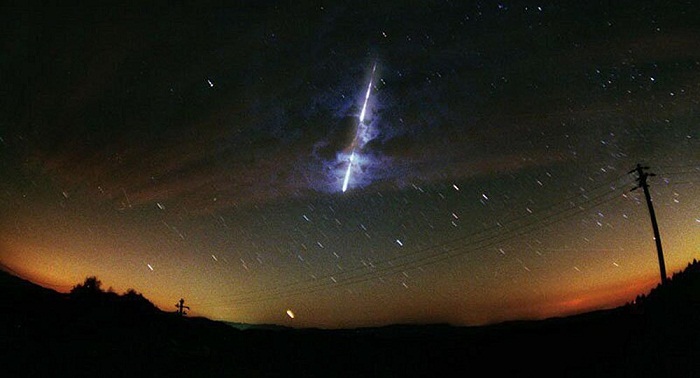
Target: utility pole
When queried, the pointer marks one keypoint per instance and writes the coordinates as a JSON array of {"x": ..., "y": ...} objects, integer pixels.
[
  {"x": 642, "y": 183},
  {"x": 181, "y": 307}
]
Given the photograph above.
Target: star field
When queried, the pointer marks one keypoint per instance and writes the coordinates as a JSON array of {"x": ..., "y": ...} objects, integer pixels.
[{"x": 199, "y": 153}]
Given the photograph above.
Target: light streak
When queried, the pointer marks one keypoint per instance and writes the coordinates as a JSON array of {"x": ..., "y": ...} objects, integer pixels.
[
  {"x": 369, "y": 89},
  {"x": 346, "y": 180},
  {"x": 347, "y": 173}
]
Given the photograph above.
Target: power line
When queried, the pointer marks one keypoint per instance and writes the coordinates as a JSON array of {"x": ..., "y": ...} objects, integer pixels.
[
  {"x": 395, "y": 269},
  {"x": 392, "y": 267},
  {"x": 684, "y": 182},
  {"x": 421, "y": 258},
  {"x": 693, "y": 166},
  {"x": 418, "y": 263},
  {"x": 495, "y": 231},
  {"x": 681, "y": 173},
  {"x": 368, "y": 276}
]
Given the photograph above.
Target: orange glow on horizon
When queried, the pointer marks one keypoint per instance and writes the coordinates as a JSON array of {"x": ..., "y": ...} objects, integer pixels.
[{"x": 607, "y": 297}]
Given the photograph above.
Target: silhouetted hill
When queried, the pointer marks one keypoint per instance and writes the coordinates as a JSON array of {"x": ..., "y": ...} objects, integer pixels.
[
  {"x": 246, "y": 326},
  {"x": 44, "y": 333}
]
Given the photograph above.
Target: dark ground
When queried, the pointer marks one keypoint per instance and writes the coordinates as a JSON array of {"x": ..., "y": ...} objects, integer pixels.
[{"x": 47, "y": 334}]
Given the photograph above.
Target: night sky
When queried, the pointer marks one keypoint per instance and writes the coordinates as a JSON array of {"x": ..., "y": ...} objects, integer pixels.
[{"x": 199, "y": 153}]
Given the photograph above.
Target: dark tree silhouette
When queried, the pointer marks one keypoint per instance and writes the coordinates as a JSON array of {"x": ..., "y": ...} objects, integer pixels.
[
  {"x": 90, "y": 287},
  {"x": 135, "y": 301}
]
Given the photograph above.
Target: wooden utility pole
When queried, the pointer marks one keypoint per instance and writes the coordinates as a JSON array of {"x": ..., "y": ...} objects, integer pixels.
[
  {"x": 642, "y": 183},
  {"x": 181, "y": 307}
]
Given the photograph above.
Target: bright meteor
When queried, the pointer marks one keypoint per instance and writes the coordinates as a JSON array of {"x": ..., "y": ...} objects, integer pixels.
[
  {"x": 347, "y": 173},
  {"x": 369, "y": 89},
  {"x": 359, "y": 129}
]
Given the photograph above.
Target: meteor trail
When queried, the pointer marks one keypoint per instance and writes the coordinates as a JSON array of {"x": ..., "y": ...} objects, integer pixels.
[
  {"x": 369, "y": 88},
  {"x": 347, "y": 173},
  {"x": 359, "y": 129}
]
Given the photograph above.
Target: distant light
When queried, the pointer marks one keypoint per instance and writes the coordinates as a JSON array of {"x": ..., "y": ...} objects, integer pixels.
[
  {"x": 211, "y": 85},
  {"x": 290, "y": 314}
]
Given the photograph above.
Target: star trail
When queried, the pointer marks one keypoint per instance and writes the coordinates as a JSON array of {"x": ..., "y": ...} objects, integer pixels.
[{"x": 337, "y": 166}]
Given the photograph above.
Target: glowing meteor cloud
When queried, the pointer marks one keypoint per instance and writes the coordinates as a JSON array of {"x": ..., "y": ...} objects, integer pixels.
[
  {"x": 359, "y": 130},
  {"x": 347, "y": 173}
]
